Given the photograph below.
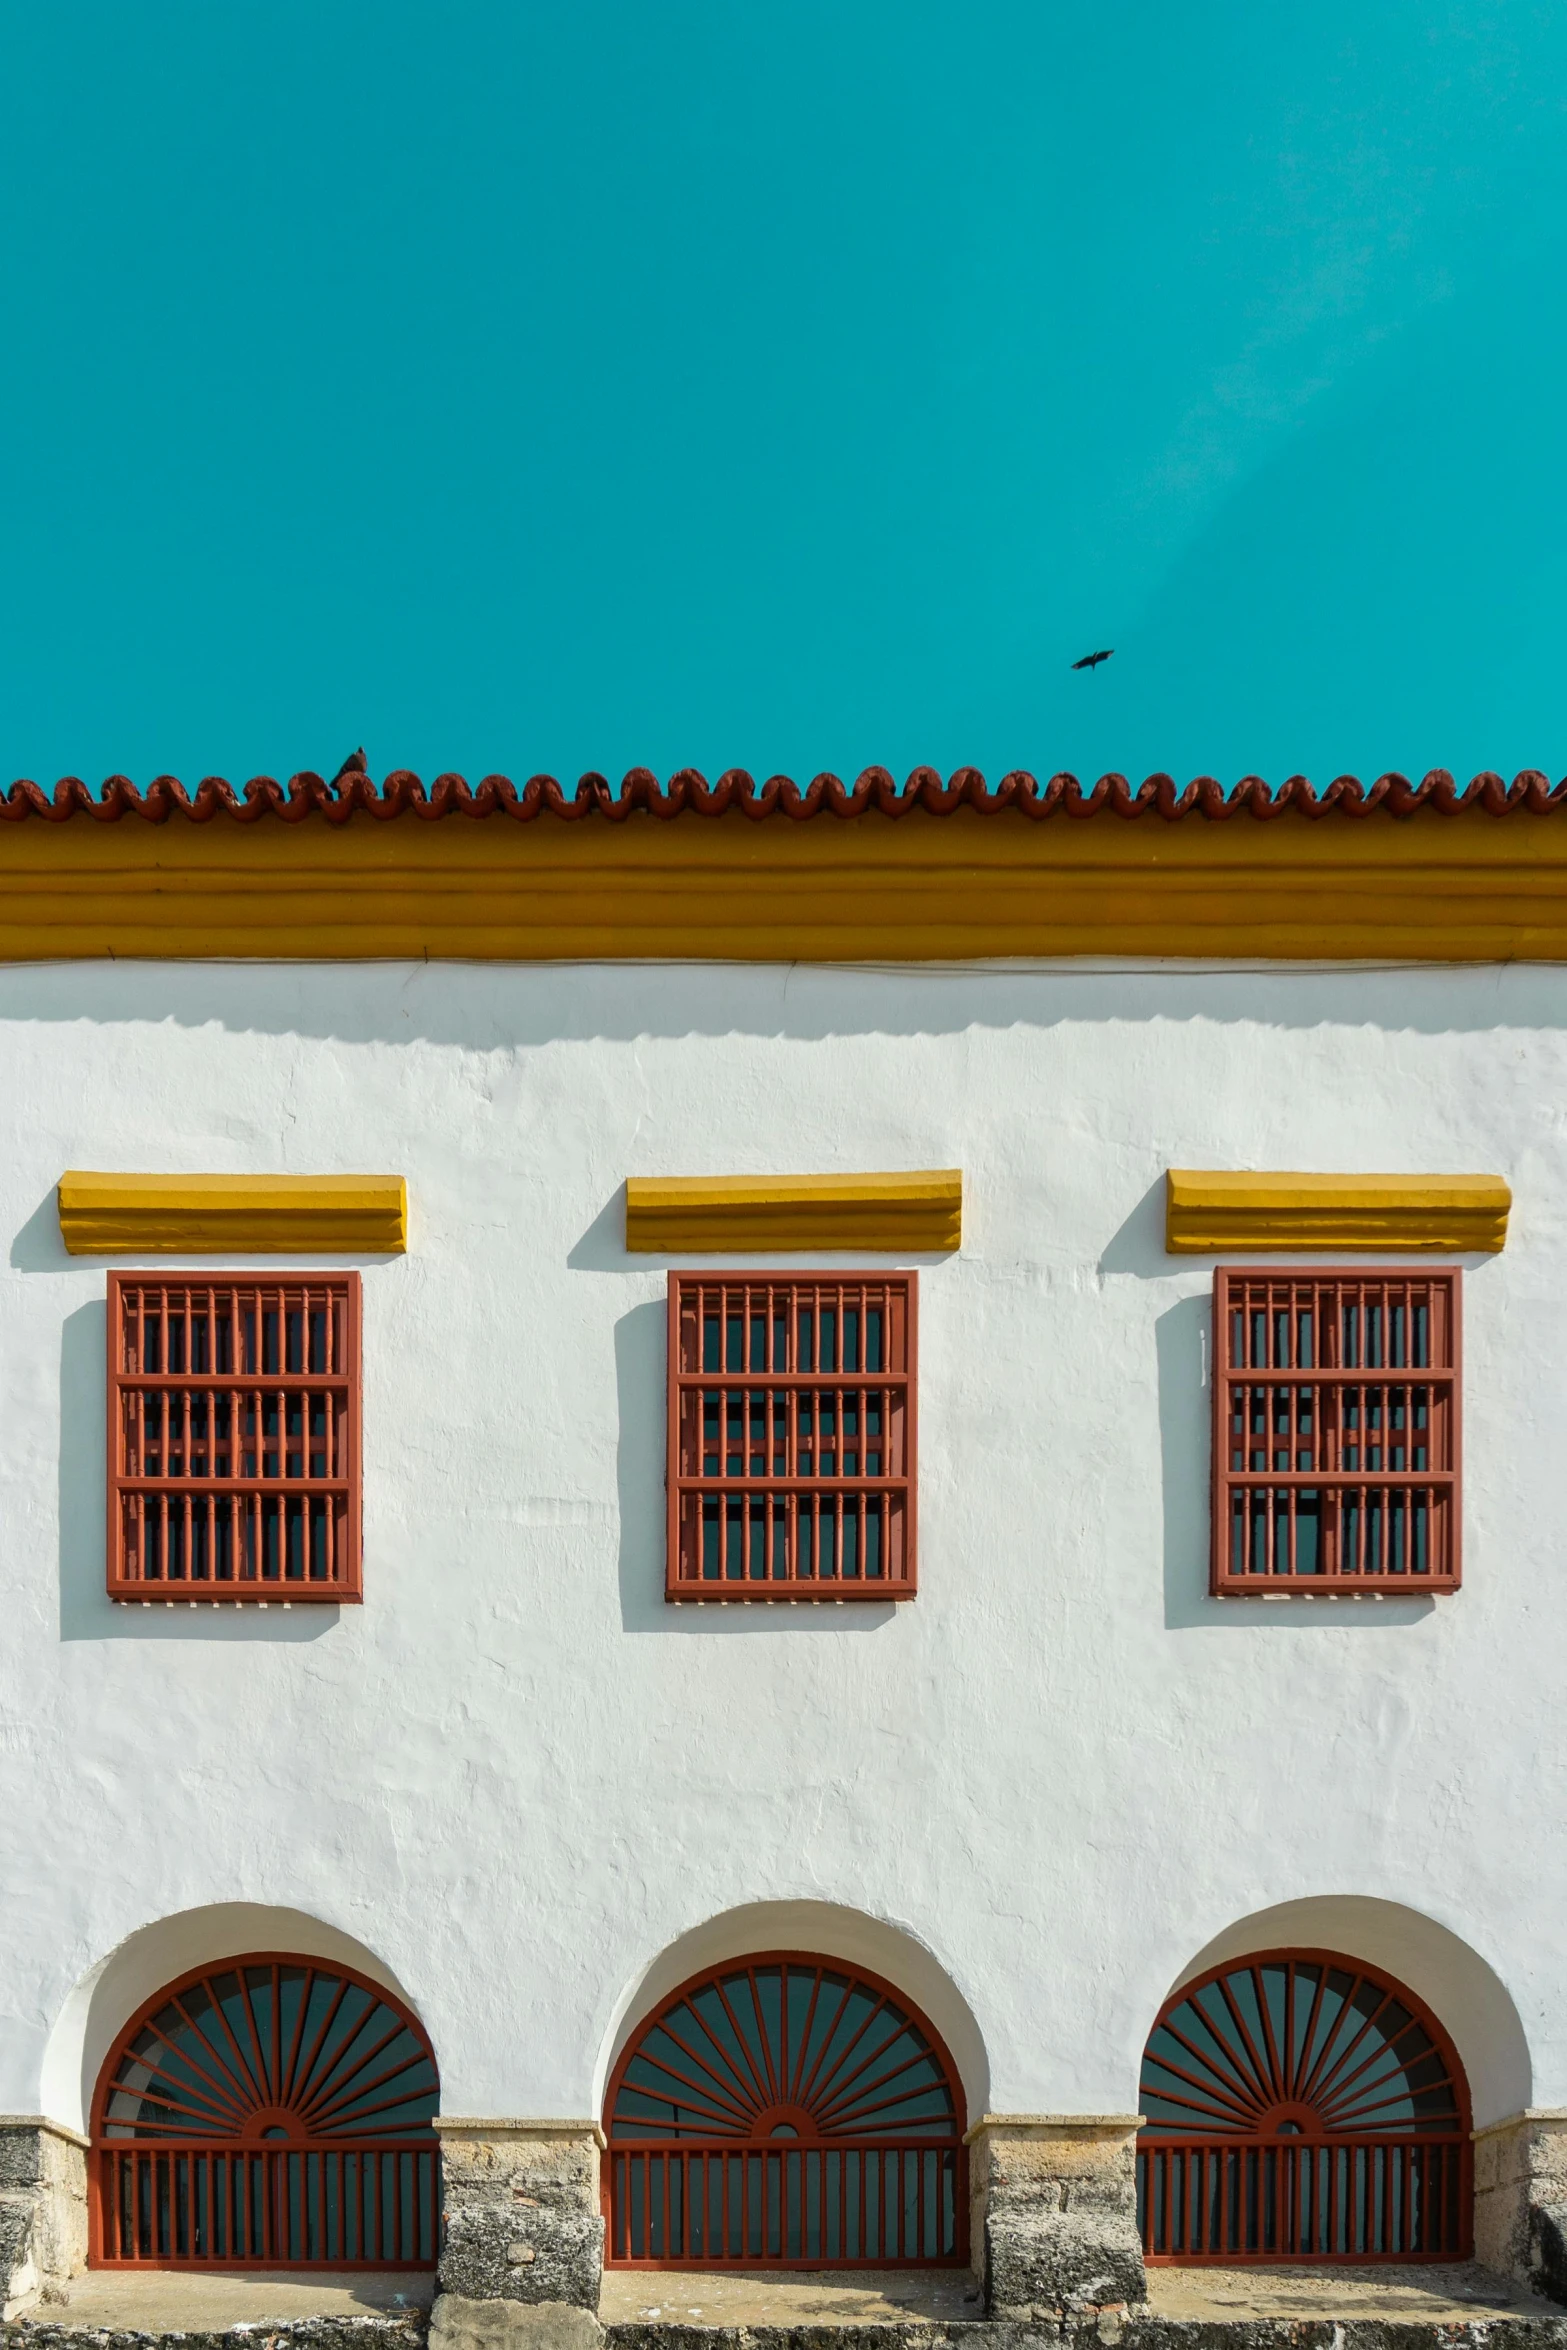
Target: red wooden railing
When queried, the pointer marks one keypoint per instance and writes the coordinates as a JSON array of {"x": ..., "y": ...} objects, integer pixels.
[
  {"x": 881, "y": 2204},
  {"x": 356, "y": 2204},
  {"x": 1322, "y": 2199}
]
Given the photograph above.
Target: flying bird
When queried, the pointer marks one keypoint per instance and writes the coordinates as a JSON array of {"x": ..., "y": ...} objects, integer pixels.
[{"x": 1092, "y": 660}]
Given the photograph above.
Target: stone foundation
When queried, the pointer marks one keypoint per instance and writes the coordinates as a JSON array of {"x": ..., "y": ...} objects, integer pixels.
[
  {"x": 512, "y": 2325},
  {"x": 43, "y": 2209},
  {"x": 1521, "y": 2200},
  {"x": 524, "y": 2328},
  {"x": 523, "y": 2222},
  {"x": 1054, "y": 2205}
]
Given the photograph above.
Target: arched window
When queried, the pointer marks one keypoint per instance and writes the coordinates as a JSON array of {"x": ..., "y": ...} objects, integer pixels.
[
  {"x": 1302, "y": 2106},
  {"x": 270, "y": 2112},
  {"x": 785, "y": 2110}
]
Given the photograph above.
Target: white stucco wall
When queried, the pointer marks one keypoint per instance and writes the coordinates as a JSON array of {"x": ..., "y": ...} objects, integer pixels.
[{"x": 516, "y": 1777}]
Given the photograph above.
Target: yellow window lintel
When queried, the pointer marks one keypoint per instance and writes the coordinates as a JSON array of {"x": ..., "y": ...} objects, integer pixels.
[
  {"x": 1208, "y": 1210},
  {"x": 711, "y": 1213},
  {"x": 191, "y": 1215}
]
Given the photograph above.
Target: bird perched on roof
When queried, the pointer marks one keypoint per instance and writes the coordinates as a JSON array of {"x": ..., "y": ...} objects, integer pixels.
[
  {"x": 354, "y": 764},
  {"x": 1092, "y": 660}
]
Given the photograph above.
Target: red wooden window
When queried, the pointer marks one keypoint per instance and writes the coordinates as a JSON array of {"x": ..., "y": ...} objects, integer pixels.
[
  {"x": 1301, "y": 2106},
  {"x": 785, "y": 2111},
  {"x": 269, "y": 2112},
  {"x": 791, "y": 1436},
  {"x": 1336, "y": 1431},
  {"x": 234, "y": 1437}
]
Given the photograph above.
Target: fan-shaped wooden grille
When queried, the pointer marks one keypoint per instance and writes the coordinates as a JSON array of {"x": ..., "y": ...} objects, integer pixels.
[
  {"x": 785, "y": 2109},
  {"x": 269, "y": 2111},
  {"x": 1302, "y": 2106}
]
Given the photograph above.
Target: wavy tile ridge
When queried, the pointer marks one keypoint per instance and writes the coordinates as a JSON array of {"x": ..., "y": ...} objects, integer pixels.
[{"x": 354, "y": 793}]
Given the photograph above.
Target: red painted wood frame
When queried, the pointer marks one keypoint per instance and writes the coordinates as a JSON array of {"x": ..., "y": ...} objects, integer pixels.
[
  {"x": 785, "y": 2110},
  {"x": 1302, "y": 2107},
  {"x": 267, "y": 2111},
  {"x": 1337, "y": 1428},
  {"x": 792, "y": 1445},
  {"x": 234, "y": 1437}
]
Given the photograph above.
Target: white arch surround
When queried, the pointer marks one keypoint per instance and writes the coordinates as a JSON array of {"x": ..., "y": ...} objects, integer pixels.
[
  {"x": 1461, "y": 1989},
  {"x": 825, "y": 1929},
  {"x": 108, "y": 1994}
]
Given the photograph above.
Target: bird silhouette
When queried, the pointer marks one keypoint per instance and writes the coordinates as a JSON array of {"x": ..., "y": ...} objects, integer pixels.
[
  {"x": 354, "y": 764},
  {"x": 1092, "y": 660}
]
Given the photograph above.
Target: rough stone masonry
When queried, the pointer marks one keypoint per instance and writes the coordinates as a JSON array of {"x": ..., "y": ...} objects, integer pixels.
[{"x": 522, "y": 2212}]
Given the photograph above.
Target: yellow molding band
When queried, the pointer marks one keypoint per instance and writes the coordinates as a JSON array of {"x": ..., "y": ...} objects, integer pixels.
[
  {"x": 678, "y": 1213},
  {"x": 1206, "y": 1210},
  {"x": 189, "y": 1215},
  {"x": 1423, "y": 888}
]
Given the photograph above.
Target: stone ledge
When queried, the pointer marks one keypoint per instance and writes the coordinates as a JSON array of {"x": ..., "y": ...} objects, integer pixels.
[
  {"x": 1053, "y": 2125},
  {"x": 466, "y": 2125},
  {"x": 46, "y": 2331},
  {"x": 1458, "y": 2306},
  {"x": 1547, "y": 2117},
  {"x": 1105, "y": 2331}
]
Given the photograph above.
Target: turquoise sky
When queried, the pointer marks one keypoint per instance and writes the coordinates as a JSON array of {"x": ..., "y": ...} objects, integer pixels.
[{"x": 790, "y": 386}]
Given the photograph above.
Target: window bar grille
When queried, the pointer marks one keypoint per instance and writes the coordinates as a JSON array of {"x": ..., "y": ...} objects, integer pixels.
[
  {"x": 361, "y": 2205},
  {"x": 871, "y": 2203},
  {"x": 1348, "y": 2198},
  {"x": 791, "y": 1467},
  {"x": 234, "y": 1438},
  {"x": 1336, "y": 1431}
]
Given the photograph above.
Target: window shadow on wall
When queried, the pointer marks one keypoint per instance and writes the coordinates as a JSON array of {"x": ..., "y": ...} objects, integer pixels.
[
  {"x": 640, "y": 1374},
  {"x": 86, "y": 1610},
  {"x": 1183, "y": 1338},
  {"x": 1137, "y": 1244},
  {"x": 602, "y": 1248},
  {"x": 37, "y": 1247}
]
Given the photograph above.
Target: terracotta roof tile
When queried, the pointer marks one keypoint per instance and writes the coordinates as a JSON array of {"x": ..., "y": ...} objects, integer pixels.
[{"x": 354, "y": 794}]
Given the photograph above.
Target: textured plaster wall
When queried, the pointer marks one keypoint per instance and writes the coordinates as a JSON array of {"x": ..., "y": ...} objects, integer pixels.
[{"x": 517, "y": 1777}]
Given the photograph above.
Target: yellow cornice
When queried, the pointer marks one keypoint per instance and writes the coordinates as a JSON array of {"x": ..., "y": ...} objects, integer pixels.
[
  {"x": 1206, "y": 1210},
  {"x": 191, "y": 1215},
  {"x": 676, "y": 1214},
  {"x": 963, "y": 885}
]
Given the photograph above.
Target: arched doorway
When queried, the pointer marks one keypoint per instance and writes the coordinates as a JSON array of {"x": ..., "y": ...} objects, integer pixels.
[
  {"x": 1302, "y": 2106},
  {"x": 785, "y": 2110},
  {"x": 267, "y": 2112}
]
